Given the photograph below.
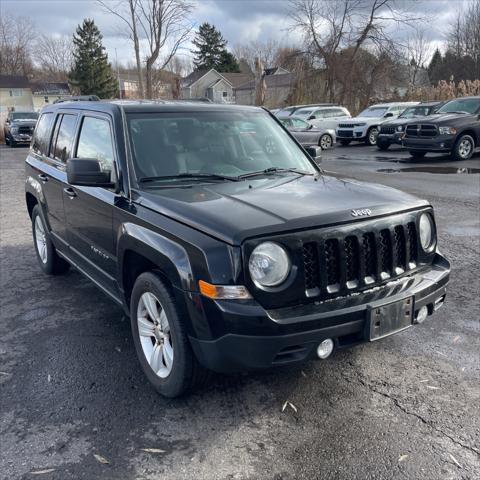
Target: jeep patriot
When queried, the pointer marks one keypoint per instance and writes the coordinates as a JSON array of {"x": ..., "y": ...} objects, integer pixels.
[{"x": 226, "y": 244}]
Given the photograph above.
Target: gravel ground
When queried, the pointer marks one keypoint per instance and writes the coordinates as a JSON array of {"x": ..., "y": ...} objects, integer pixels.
[{"x": 405, "y": 407}]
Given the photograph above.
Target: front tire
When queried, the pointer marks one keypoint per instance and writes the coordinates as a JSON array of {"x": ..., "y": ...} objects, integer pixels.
[
  {"x": 160, "y": 338},
  {"x": 47, "y": 256},
  {"x": 464, "y": 147},
  {"x": 325, "y": 142},
  {"x": 372, "y": 136},
  {"x": 383, "y": 146},
  {"x": 345, "y": 142}
]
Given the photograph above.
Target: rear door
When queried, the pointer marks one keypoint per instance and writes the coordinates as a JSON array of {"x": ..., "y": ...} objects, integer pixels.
[{"x": 89, "y": 210}]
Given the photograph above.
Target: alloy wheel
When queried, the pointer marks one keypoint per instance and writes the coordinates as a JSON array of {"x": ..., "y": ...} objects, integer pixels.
[
  {"x": 41, "y": 240},
  {"x": 465, "y": 148},
  {"x": 155, "y": 335},
  {"x": 372, "y": 136},
  {"x": 325, "y": 142}
]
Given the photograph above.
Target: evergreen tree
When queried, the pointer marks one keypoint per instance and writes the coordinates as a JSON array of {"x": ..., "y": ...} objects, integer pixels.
[
  {"x": 435, "y": 67},
  {"x": 211, "y": 51},
  {"x": 91, "y": 72}
]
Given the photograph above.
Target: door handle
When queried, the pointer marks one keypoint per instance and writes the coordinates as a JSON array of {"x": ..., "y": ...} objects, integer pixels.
[
  {"x": 43, "y": 177},
  {"x": 70, "y": 192}
]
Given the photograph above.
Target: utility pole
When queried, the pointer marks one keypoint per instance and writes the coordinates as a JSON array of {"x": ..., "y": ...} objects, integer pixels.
[{"x": 118, "y": 76}]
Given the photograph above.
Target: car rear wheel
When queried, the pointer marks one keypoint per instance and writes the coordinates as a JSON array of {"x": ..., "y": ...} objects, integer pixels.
[
  {"x": 416, "y": 154},
  {"x": 372, "y": 136},
  {"x": 325, "y": 142},
  {"x": 47, "y": 256},
  {"x": 345, "y": 142},
  {"x": 160, "y": 338},
  {"x": 463, "y": 148}
]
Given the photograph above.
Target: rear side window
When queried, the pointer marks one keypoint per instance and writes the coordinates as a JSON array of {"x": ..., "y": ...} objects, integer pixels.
[
  {"x": 41, "y": 138},
  {"x": 63, "y": 145},
  {"x": 95, "y": 141}
]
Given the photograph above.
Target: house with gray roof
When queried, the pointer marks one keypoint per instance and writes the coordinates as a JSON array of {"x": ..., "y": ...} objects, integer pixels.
[{"x": 216, "y": 86}]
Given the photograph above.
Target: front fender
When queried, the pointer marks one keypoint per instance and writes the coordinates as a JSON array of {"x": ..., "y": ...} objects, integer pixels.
[{"x": 170, "y": 257}]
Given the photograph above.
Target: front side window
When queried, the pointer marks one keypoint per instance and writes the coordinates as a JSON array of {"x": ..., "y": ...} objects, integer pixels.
[
  {"x": 95, "y": 141},
  {"x": 461, "y": 105},
  {"x": 63, "y": 144},
  {"x": 41, "y": 138},
  {"x": 210, "y": 143},
  {"x": 297, "y": 123},
  {"x": 417, "y": 111}
]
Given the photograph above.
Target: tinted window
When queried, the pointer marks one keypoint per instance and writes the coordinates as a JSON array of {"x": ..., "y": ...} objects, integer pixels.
[
  {"x": 95, "y": 141},
  {"x": 222, "y": 143},
  {"x": 41, "y": 138},
  {"x": 63, "y": 144},
  {"x": 461, "y": 105}
]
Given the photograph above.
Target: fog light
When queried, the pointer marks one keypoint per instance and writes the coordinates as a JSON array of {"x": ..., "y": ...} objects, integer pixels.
[
  {"x": 325, "y": 349},
  {"x": 421, "y": 315}
]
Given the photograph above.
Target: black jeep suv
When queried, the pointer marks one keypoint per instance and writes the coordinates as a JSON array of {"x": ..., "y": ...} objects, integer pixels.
[
  {"x": 225, "y": 243},
  {"x": 454, "y": 128},
  {"x": 392, "y": 132}
]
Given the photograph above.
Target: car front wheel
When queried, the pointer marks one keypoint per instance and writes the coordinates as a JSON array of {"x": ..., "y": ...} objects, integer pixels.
[
  {"x": 345, "y": 142},
  {"x": 382, "y": 145},
  {"x": 160, "y": 338},
  {"x": 372, "y": 136},
  {"x": 47, "y": 256},
  {"x": 463, "y": 148},
  {"x": 325, "y": 142}
]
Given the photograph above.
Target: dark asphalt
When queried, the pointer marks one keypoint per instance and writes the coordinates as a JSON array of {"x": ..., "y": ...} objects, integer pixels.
[{"x": 405, "y": 407}]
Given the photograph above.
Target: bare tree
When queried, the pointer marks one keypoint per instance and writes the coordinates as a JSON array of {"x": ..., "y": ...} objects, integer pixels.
[
  {"x": 418, "y": 52},
  {"x": 345, "y": 27},
  {"x": 54, "y": 56},
  {"x": 16, "y": 37},
  {"x": 266, "y": 52},
  {"x": 161, "y": 25}
]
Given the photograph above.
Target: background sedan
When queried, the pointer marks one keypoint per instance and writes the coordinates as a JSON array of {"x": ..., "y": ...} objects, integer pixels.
[{"x": 308, "y": 134}]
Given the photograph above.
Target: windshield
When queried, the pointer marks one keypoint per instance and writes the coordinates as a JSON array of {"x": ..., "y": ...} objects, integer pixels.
[
  {"x": 467, "y": 105},
  {"x": 222, "y": 143},
  {"x": 374, "y": 112},
  {"x": 417, "y": 111},
  {"x": 303, "y": 113},
  {"x": 24, "y": 116}
]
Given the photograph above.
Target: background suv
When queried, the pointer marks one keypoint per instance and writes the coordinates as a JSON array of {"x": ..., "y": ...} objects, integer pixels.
[
  {"x": 19, "y": 127},
  {"x": 391, "y": 132},
  {"x": 364, "y": 127},
  {"x": 325, "y": 117}
]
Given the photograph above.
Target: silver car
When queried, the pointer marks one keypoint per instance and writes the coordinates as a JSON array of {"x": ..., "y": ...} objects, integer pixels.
[{"x": 308, "y": 134}]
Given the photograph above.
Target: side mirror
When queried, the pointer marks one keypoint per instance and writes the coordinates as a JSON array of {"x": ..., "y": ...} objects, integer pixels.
[
  {"x": 87, "y": 172},
  {"x": 311, "y": 117},
  {"x": 315, "y": 152},
  {"x": 310, "y": 127},
  {"x": 389, "y": 114}
]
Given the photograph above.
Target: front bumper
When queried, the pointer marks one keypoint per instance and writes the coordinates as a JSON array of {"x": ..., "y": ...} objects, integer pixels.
[
  {"x": 357, "y": 133},
  {"x": 21, "y": 138},
  {"x": 293, "y": 333},
  {"x": 441, "y": 143},
  {"x": 394, "y": 138}
]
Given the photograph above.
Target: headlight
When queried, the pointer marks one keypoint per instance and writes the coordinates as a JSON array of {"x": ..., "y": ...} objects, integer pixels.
[
  {"x": 427, "y": 232},
  {"x": 269, "y": 265},
  {"x": 447, "y": 130},
  {"x": 14, "y": 129},
  {"x": 400, "y": 128},
  {"x": 359, "y": 124}
]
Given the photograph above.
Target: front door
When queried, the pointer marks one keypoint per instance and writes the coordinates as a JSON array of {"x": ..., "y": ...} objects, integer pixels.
[{"x": 89, "y": 210}]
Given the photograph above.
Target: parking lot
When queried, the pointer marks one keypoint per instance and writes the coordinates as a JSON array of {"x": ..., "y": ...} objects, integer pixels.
[{"x": 75, "y": 404}]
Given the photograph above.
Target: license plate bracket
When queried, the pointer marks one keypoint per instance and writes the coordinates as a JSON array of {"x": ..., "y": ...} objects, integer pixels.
[{"x": 389, "y": 318}]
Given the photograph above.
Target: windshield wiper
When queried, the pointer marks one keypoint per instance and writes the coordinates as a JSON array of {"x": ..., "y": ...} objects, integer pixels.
[
  {"x": 461, "y": 111},
  {"x": 274, "y": 170},
  {"x": 181, "y": 176}
]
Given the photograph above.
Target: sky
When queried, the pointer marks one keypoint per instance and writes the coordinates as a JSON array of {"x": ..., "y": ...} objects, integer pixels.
[{"x": 239, "y": 20}]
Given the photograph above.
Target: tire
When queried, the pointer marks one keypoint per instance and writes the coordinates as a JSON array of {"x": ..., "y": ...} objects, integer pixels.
[
  {"x": 383, "y": 146},
  {"x": 464, "y": 147},
  {"x": 7, "y": 140},
  {"x": 417, "y": 155},
  {"x": 345, "y": 142},
  {"x": 164, "y": 351},
  {"x": 372, "y": 136},
  {"x": 47, "y": 256},
  {"x": 12, "y": 143},
  {"x": 325, "y": 142}
]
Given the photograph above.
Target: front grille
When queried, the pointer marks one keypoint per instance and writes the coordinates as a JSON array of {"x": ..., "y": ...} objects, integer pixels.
[
  {"x": 421, "y": 130},
  {"x": 387, "y": 130},
  {"x": 333, "y": 266},
  {"x": 25, "y": 130},
  {"x": 346, "y": 125},
  {"x": 345, "y": 133}
]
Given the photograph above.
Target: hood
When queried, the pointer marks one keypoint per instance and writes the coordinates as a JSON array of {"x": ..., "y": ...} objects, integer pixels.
[
  {"x": 445, "y": 118},
  {"x": 235, "y": 211}
]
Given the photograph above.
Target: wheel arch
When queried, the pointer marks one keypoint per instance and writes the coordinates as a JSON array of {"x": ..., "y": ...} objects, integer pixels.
[
  {"x": 140, "y": 250},
  {"x": 31, "y": 201},
  {"x": 471, "y": 132}
]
